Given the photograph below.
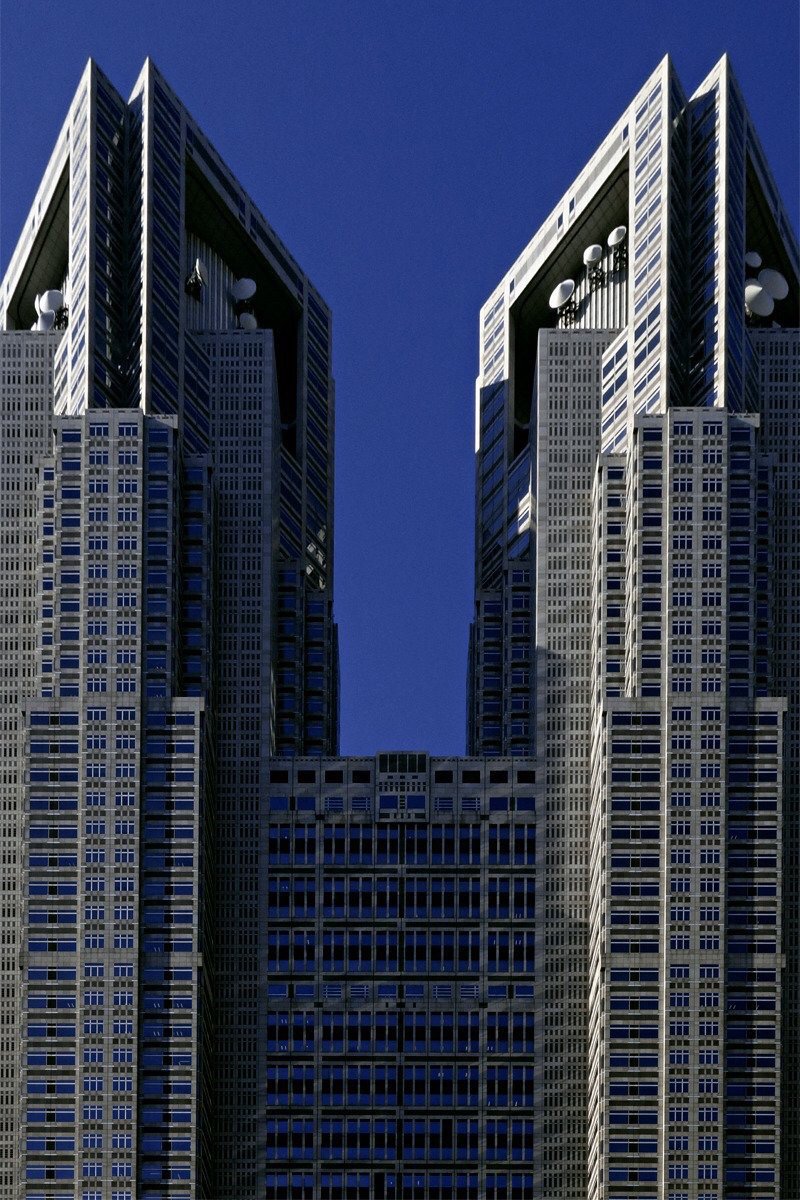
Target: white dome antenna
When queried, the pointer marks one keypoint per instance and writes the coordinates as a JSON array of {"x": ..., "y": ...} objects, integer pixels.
[
  {"x": 561, "y": 293},
  {"x": 561, "y": 300},
  {"x": 616, "y": 241},
  {"x": 757, "y": 299},
  {"x": 46, "y": 321},
  {"x": 591, "y": 260},
  {"x": 50, "y": 301},
  {"x": 242, "y": 292},
  {"x": 774, "y": 283},
  {"x": 243, "y": 289}
]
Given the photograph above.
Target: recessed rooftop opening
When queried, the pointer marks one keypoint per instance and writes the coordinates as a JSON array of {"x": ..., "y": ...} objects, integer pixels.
[
  {"x": 273, "y": 305},
  {"x": 762, "y": 236},
  {"x": 531, "y": 312}
]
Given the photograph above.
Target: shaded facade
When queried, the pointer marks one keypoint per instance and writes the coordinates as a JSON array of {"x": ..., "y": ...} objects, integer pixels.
[{"x": 398, "y": 948}]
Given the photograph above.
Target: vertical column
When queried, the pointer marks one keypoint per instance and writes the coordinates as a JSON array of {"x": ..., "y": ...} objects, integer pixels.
[
  {"x": 567, "y": 441},
  {"x": 26, "y": 403}
]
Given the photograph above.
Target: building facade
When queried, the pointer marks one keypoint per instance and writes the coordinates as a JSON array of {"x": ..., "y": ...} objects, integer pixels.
[
  {"x": 398, "y": 928},
  {"x": 26, "y": 418},
  {"x": 234, "y": 965},
  {"x": 168, "y": 507},
  {"x": 636, "y": 633}
]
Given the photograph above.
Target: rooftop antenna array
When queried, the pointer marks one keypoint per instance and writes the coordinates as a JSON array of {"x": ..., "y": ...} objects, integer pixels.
[
  {"x": 757, "y": 299},
  {"x": 51, "y": 311},
  {"x": 562, "y": 298},
  {"x": 242, "y": 294},
  {"x": 761, "y": 293}
]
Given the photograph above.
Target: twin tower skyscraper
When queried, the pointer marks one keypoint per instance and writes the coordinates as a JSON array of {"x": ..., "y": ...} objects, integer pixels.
[{"x": 234, "y": 964}]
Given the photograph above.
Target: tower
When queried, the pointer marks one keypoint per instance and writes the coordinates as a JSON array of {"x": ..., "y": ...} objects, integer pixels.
[
  {"x": 634, "y": 633},
  {"x": 168, "y": 396},
  {"x": 565, "y": 966}
]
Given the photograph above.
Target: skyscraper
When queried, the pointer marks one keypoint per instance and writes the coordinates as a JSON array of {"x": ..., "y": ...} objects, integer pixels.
[
  {"x": 235, "y": 964},
  {"x": 636, "y": 631},
  {"x": 168, "y": 604}
]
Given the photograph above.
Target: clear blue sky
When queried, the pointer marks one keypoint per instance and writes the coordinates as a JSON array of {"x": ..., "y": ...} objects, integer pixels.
[{"x": 405, "y": 152}]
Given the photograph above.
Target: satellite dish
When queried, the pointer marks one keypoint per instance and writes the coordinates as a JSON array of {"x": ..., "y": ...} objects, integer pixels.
[
  {"x": 561, "y": 294},
  {"x": 757, "y": 298},
  {"x": 36, "y": 304},
  {"x": 247, "y": 321},
  {"x": 592, "y": 254},
  {"x": 617, "y": 235},
  {"x": 50, "y": 301},
  {"x": 774, "y": 283},
  {"x": 200, "y": 268},
  {"x": 243, "y": 289},
  {"x": 46, "y": 321},
  {"x": 752, "y": 259}
]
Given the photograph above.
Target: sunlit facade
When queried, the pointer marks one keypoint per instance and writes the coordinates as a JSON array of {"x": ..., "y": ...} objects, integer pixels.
[
  {"x": 636, "y": 633},
  {"x": 167, "y": 406},
  {"x": 235, "y": 965}
]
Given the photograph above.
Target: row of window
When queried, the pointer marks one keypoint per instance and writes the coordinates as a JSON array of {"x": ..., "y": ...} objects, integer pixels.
[
  {"x": 365, "y": 951},
  {"x": 363, "y": 844},
  {"x": 389, "y": 1032},
  {"x": 416, "y": 896},
  {"x": 436, "y": 1139},
  {"x": 440, "y": 1085},
  {"x": 390, "y": 1185}
]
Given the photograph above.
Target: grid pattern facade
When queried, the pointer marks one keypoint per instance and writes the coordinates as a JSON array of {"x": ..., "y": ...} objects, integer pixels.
[
  {"x": 134, "y": 192},
  {"x": 203, "y": 592},
  {"x": 245, "y": 435},
  {"x": 114, "y": 1097},
  {"x": 567, "y": 402},
  {"x": 669, "y": 571},
  {"x": 251, "y": 970},
  {"x": 26, "y": 398},
  {"x": 778, "y": 356},
  {"x": 500, "y": 689},
  {"x": 398, "y": 928},
  {"x": 686, "y": 820}
]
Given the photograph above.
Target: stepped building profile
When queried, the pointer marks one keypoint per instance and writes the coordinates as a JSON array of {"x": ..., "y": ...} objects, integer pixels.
[
  {"x": 234, "y": 964},
  {"x": 167, "y": 523},
  {"x": 637, "y": 631}
]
